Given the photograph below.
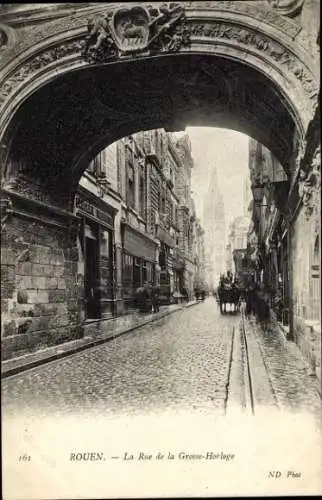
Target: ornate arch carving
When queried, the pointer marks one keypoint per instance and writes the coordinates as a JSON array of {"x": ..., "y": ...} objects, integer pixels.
[
  {"x": 287, "y": 7},
  {"x": 214, "y": 26}
]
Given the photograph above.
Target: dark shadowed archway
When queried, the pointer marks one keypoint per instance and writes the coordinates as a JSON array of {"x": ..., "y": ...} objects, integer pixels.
[
  {"x": 66, "y": 122},
  {"x": 73, "y": 82}
]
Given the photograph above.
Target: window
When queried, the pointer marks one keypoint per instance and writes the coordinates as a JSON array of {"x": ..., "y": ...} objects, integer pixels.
[
  {"x": 137, "y": 261},
  {"x": 137, "y": 280},
  {"x": 149, "y": 272},
  {"x": 162, "y": 208},
  {"x": 94, "y": 167},
  {"x": 130, "y": 194},
  {"x": 110, "y": 164},
  {"x": 162, "y": 258},
  {"x": 144, "y": 271},
  {"x": 142, "y": 195},
  {"x": 176, "y": 217},
  {"x": 105, "y": 244},
  {"x": 239, "y": 242},
  {"x": 127, "y": 267}
]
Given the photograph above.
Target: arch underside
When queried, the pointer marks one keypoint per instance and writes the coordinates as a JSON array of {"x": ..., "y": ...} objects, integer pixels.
[{"x": 65, "y": 123}]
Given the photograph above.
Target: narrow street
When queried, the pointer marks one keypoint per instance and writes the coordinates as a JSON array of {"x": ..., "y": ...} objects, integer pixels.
[
  {"x": 194, "y": 389},
  {"x": 181, "y": 361},
  {"x": 192, "y": 360}
]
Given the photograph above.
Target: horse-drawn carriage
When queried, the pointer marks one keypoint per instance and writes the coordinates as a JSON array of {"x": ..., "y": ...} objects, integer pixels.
[{"x": 229, "y": 294}]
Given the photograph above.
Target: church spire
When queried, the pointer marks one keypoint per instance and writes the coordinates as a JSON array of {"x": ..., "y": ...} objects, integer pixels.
[{"x": 213, "y": 181}]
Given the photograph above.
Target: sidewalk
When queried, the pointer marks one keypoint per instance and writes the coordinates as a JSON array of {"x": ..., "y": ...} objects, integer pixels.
[
  {"x": 97, "y": 333},
  {"x": 286, "y": 368}
]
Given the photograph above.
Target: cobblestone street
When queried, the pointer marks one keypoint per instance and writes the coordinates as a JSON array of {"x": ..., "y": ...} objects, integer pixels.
[
  {"x": 181, "y": 361},
  {"x": 177, "y": 377}
]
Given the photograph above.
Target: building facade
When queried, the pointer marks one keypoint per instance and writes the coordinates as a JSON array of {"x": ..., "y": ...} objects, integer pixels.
[
  {"x": 284, "y": 244},
  {"x": 138, "y": 224},
  {"x": 237, "y": 241}
]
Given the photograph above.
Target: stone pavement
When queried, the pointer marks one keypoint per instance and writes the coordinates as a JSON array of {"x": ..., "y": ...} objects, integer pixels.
[
  {"x": 192, "y": 360},
  {"x": 179, "y": 362},
  {"x": 97, "y": 332},
  {"x": 294, "y": 389}
]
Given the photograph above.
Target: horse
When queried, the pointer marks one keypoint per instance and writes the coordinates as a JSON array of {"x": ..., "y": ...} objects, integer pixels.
[{"x": 229, "y": 294}]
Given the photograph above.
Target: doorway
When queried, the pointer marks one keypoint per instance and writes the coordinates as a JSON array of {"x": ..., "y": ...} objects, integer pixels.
[{"x": 92, "y": 288}]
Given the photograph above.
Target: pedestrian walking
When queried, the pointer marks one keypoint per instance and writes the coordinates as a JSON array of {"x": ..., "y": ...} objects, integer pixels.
[
  {"x": 143, "y": 298},
  {"x": 262, "y": 306},
  {"x": 185, "y": 294},
  {"x": 250, "y": 300},
  {"x": 155, "y": 298}
]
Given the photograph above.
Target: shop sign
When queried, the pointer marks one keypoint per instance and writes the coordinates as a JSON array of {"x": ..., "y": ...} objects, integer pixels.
[{"x": 90, "y": 209}]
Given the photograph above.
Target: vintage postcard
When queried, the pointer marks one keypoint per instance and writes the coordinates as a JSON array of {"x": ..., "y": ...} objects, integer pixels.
[{"x": 160, "y": 249}]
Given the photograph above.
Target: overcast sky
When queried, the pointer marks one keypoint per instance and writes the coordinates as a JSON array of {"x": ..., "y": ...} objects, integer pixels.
[{"x": 228, "y": 151}]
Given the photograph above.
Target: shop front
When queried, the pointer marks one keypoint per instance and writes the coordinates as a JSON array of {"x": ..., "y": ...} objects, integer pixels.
[
  {"x": 139, "y": 263},
  {"x": 96, "y": 265},
  {"x": 166, "y": 260},
  {"x": 178, "y": 271}
]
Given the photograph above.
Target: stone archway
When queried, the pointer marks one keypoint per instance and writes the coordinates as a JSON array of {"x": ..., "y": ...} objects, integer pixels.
[
  {"x": 236, "y": 46},
  {"x": 75, "y": 82}
]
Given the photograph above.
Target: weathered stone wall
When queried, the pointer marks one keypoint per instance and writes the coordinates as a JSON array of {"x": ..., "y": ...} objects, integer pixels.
[
  {"x": 40, "y": 297},
  {"x": 303, "y": 240},
  {"x": 301, "y": 270}
]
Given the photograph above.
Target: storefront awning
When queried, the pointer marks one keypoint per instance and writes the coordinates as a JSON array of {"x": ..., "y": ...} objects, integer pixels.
[
  {"x": 164, "y": 236},
  {"x": 137, "y": 244}
]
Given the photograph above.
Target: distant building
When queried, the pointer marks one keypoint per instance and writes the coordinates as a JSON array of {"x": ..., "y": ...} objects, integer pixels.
[
  {"x": 214, "y": 225},
  {"x": 237, "y": 239}
]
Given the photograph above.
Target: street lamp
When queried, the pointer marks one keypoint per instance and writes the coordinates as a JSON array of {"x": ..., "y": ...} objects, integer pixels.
[{"x": 258, "y": 192}]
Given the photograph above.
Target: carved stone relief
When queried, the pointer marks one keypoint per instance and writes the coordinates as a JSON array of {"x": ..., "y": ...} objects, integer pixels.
[
  {"x": 273, "y": 49},
  {"x": 3, "y": 38},
  {"x": 30, "y": 67},
  {"x": 260, "y": 10},
  {"x": 135, "y": 30},
  {"x": 149, "y": 30},
  {"x": 299, "y": 151},
  {"x": 310, "y": 183},
  {"x": 286, "y": 7},
  {"x": 7, "y": 37},
  {"x": 29, "y": 189},
  {"x": 256, "y": 9}
]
